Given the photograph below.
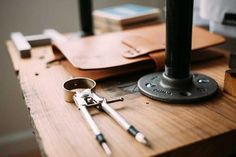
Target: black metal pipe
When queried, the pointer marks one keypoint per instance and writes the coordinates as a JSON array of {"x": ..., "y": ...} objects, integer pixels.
[
  {"x": 178, "y": 38},
  {"x": 86, "y": 18}
]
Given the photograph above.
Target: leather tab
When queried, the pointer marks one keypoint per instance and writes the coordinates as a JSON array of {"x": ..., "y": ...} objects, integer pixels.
[
  {"x": 138, "y": 46},
  {"x": 159, "y": 59}
]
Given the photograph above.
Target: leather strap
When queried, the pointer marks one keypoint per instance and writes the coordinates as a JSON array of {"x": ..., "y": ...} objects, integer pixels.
[
  {"x": 196, "y": 56},
  {"x": 159, "y": 59}
]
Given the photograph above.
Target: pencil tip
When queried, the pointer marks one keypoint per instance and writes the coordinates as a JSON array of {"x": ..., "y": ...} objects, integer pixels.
[
  {"x": 106, "y": 148},
  {"x": 142, "y": 139}
]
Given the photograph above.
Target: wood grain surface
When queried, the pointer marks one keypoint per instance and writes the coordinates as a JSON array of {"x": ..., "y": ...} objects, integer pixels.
[{"x": 198, "y": 130}]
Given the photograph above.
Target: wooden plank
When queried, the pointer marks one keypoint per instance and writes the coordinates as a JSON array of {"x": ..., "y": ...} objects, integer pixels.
[
  {"x": 223, "y": 104},
  {"x": 61, "y": 130},
  {"x": 15, "y": 58},
  {"x": 218, "y": 147}
]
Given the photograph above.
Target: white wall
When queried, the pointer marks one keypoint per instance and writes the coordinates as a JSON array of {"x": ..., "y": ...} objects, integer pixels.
[{"x": 31, "y": 17}]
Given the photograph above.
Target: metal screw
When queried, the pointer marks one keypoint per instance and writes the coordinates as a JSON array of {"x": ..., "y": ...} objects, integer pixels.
[
  {"x": 115, "y": 100},
  {"x": 89, "y": 100},
  {"x": 203, "y": 81}
]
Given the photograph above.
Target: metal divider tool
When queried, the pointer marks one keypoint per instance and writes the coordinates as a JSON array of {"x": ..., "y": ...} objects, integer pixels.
[{"x": 80, "y": 91}]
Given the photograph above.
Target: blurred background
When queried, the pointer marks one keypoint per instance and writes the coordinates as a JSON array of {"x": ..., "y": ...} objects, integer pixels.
[{"x": 32, "y": 17}]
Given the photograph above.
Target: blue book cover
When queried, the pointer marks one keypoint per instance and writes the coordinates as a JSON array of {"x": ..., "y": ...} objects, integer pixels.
[{"x": 127, "y": 11}]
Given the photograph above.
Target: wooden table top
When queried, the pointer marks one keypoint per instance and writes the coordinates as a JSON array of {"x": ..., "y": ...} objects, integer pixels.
[{"x": 172, "y": 129}]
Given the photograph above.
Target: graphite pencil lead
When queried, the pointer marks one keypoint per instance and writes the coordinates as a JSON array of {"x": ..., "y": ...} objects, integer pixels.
[
  {"x": 142, "y": 139},
  {"x": 106, "y": 148}
]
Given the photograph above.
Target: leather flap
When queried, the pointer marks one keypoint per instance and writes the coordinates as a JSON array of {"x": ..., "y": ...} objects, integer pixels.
[{"x": 138, "y": 46}]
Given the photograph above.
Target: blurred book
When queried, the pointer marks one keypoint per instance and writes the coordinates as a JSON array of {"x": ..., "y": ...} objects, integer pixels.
[{"x": 124, "y": 17}]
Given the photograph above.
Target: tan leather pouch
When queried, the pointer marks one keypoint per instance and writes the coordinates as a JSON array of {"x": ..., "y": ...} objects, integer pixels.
[
  {"x": 105, "y": 51},
  {"x": 106, "y": 55}
]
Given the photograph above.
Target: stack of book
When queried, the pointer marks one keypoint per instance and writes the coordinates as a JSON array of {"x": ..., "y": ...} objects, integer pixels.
[{"x": 124, "y": 17}]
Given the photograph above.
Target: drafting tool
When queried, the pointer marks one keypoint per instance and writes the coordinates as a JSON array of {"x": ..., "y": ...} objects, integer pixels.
[
  {"x": 24, "y": 44},
  {"x": 21, "y": 44},
  {"x": 80, "y": 91},
  {"x": 38, "y": 40},
  {"x": 119, "y": 119}
]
